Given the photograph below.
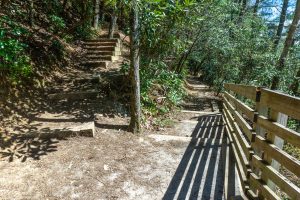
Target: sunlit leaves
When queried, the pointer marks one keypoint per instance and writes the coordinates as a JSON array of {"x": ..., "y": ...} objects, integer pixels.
[{"x": 13, "y": 61}]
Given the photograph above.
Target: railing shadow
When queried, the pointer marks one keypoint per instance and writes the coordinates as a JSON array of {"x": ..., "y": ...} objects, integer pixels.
[{"x": 201, "y": 172}]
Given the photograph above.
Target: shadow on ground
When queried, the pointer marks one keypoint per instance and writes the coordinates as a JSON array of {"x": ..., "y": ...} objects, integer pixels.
[
  {"x": 201, "y": 172},
  {"x": 18, "y": 147}
]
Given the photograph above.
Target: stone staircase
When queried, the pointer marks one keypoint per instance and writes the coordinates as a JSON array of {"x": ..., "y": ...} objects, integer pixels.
[{"x": 101, "y": 52}]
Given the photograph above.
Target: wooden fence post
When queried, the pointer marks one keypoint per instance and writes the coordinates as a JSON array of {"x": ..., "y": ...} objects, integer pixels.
[
  {"x": 263, "y": 111},
  {"x": 277, "y": 141}
]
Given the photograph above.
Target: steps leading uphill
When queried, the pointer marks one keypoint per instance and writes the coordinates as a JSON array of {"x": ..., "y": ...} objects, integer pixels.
[{"x": 101, "y": 52}]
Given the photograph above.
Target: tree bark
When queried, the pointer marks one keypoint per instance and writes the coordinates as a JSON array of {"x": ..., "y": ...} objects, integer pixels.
[
  {"x": 287, "y": 45},
  {"x": 96, "y": 16},
  {"x": 31, "y": 13},
  {"x": 281, "y": 23},
  {"x": 112, "y": 24},
  {"x": 135, "y": 122}
]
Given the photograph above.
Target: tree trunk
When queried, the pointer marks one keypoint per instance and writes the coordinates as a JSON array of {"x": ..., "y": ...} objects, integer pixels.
[
  {"x": 296, "y": 83},
  {"x": 112, "y": 24},
  {"x": 281, "y": 23},
  {"x": 287, "y": 45},
  {"x": 255, "y": 8},
  {"x": 96, "y": 16},
  {"x": 31, "y": 13},
  {"x": 135, "y": 122}
]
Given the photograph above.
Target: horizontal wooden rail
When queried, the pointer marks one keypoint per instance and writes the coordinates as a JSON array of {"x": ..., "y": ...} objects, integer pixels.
[
  {"x": 281, "y": 102},
  {"x": 243, "y": 90},
  {"x": 239, "y": 105},
  {"x": 289, "y": 135},
  {"x": 286, "y": 185},
  {"x": 244, "y": 125}
]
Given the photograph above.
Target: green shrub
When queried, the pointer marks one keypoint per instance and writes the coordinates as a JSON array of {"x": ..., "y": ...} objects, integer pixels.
[
  {"x": 13, "y": 59},
  {"x": 57, "y": 24},
  {"x": 161, "y": 88}
]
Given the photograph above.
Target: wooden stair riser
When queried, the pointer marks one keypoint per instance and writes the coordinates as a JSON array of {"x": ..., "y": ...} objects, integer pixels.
[
  {"x": 103, "y": 40},
  {"x": 101, "y": 48},
  {"x": 102, "y": 44},
  {"x": 103, "y": 58},
  {"x": 104, "y": 53}
]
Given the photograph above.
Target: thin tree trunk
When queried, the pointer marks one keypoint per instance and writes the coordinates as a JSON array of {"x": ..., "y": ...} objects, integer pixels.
[
  {"x": 96, "y": 16},
  {"x": 255, "y": 8},
  {"x": 112, "y": 24},
  {"x": 281, "y": 23},
  {"x": 135, "y": 122},
  {"x": 287, "y": 45},
  {"x": 31, "y": 13}
]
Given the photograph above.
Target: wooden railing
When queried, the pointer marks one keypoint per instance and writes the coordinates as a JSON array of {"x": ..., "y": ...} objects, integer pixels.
[{"x": 256, "y": 121}]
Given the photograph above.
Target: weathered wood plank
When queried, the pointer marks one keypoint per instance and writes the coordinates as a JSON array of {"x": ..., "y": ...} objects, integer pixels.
[
  {"x": 287, "y": 134},
  {"x": 243, "y": 149},
  {"x": 263, "y": 188},
  {"x": 242, "y": 175},
  {"x": 282, "y": 182},
  {"x": 244, "y": 90},
  {"x": 281, "y": 102},
  {"x": 247, "y": 129},
  {"x": 279, "y": 155},
  {"x": 239, "y": 105}
]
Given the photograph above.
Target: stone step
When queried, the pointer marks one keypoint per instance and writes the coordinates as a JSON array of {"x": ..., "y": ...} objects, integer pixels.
[
  {"x": 102, "y": 48},
  {"x": 96, "y": 63},
  {"x": 102, "y": 57},
  {"x": 104, "y": 53},
  {"x": 61, "y": 130},
  {"x": 74, "y": 95}
]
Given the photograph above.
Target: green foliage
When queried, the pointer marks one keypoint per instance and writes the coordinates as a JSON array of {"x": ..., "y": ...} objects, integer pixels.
[
  {"x": 161, "y": 88},
  {"x": 57, "y": 23},
  {"x": 13, "y": 59},
  {"x": 238, "y": 49},
  {"x": 84, "y": 32},
  {"x": 124, "y": 68}
]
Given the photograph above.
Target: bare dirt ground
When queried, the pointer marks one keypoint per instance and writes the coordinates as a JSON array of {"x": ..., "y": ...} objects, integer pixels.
[{"x": 115, "y": 164}]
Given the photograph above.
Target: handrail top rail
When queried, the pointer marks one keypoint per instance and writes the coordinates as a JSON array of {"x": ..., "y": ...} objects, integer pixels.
[{"x": 274, "y": 99}]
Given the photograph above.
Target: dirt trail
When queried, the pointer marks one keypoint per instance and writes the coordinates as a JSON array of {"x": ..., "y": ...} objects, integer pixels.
[{"x": 183, "y": 161}]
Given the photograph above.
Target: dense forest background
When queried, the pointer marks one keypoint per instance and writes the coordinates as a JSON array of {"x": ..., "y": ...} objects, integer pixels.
[{"x": 239, "y": 41}]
